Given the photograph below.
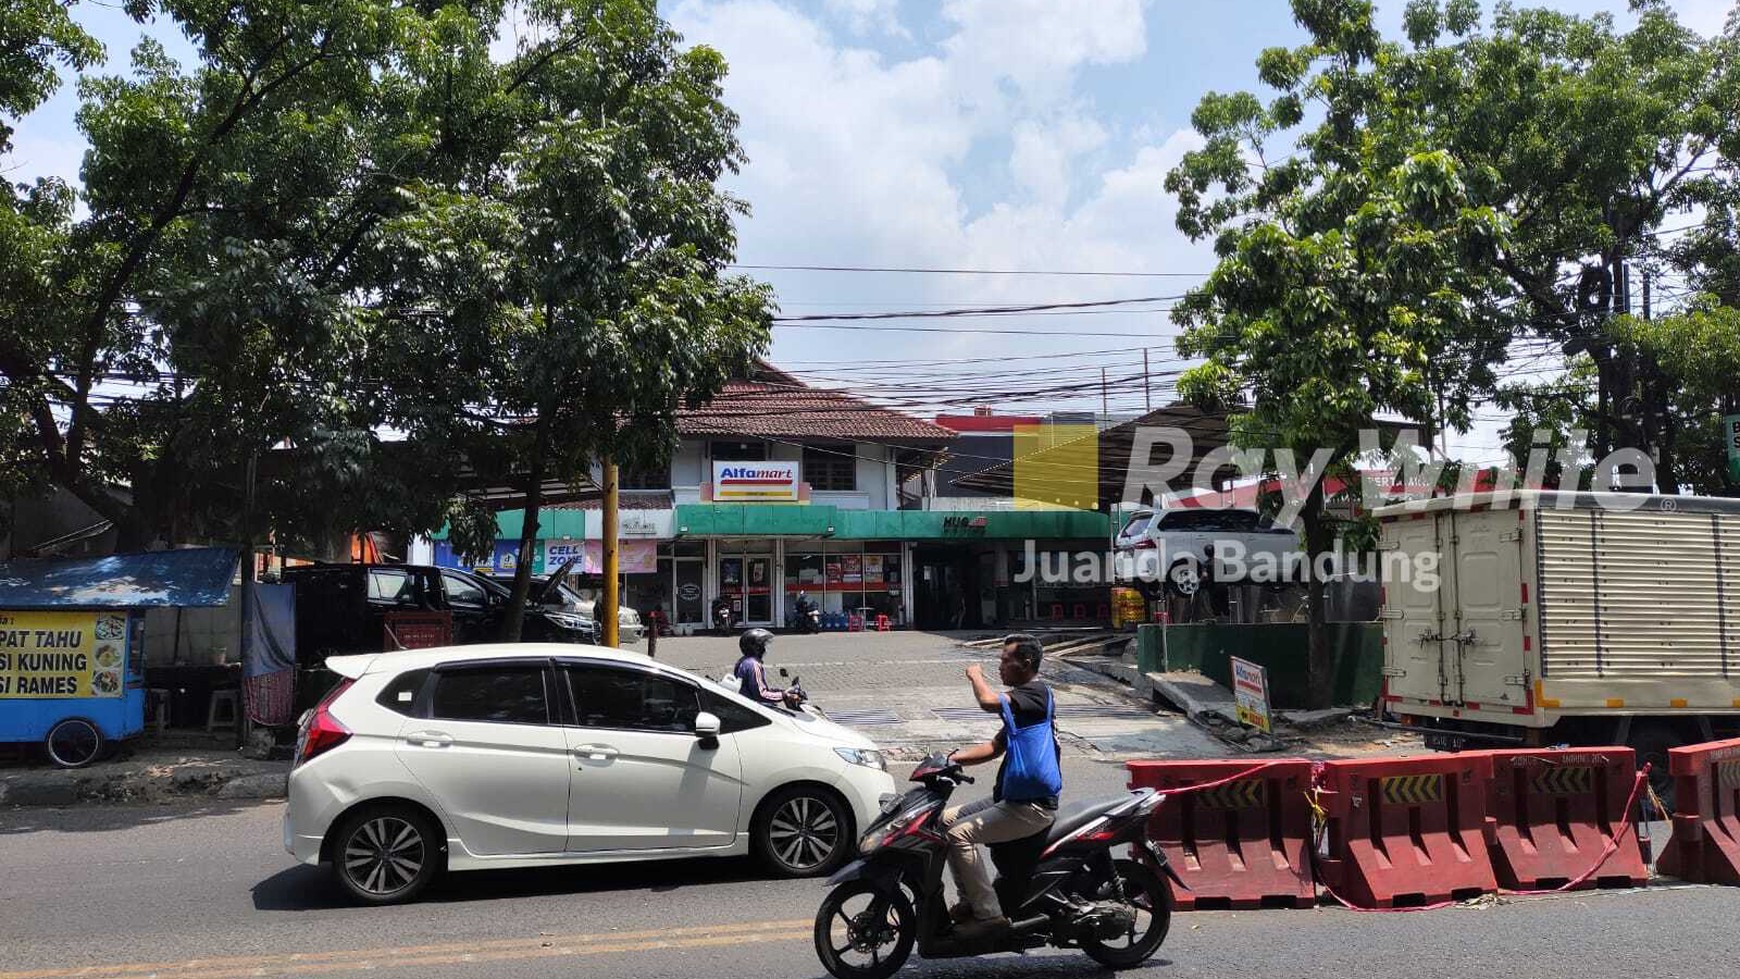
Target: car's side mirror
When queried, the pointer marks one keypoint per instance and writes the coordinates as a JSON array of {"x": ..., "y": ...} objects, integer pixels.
[{"x": 706, "y": 725}]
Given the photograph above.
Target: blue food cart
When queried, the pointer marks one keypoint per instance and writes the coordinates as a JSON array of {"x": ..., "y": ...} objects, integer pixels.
[{"x": 72, "y": 642}]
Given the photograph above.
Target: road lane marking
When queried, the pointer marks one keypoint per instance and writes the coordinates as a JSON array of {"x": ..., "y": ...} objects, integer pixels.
[{"x": 348, "y": 960}]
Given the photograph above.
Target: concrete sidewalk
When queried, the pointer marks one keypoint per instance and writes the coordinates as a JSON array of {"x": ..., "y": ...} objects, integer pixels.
[{"x": 147, "y": 771}]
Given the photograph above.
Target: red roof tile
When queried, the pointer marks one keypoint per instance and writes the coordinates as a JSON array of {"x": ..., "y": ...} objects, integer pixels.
[{"x": 774, "y": 404}]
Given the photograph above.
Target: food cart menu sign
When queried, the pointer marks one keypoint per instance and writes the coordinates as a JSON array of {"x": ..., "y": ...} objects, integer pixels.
[
  {"x": 62, "y": 654},
  {"x": 1251, "y": 694},
  {"x": 1731, "y": 431}
]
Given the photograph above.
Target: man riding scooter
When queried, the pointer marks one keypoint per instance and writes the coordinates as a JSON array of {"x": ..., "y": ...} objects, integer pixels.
[
  {"x": 1029, "y": 781},
  {"x": 752, "y": 674}
]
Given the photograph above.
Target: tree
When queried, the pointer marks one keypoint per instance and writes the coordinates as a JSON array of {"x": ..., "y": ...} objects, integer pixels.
[
  {"x": 561, "y": 291},
  {"x": 1354, "y": 278},
  {"x": 207, "y": 307},
  {"x": 350, "y": 248}
]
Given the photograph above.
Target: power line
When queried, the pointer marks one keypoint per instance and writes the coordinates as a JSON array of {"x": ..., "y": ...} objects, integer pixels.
[
  {"x": 978, "y": 310},
  {"x": 913, "y": 270}
]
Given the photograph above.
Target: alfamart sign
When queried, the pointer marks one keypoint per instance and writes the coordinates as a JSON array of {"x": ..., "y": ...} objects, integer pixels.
[{"x": 756, "y": 482}]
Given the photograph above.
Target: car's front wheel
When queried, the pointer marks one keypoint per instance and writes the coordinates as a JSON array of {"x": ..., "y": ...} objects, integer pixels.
[
  {"x": 802, "y": 831},
  {"x": 387, "y": 854}
]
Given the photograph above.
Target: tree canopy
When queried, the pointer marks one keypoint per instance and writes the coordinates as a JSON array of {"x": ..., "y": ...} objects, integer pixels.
[{"x": 349, "y": 244}]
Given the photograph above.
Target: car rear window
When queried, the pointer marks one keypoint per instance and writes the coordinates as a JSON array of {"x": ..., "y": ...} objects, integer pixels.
[
  {"x": 1136, "y": 524},
  {"x": 498, "y": 694},
  {"x": 400, "y": 695}
]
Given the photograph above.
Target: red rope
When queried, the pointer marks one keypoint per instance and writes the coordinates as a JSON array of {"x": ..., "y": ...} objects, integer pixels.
[{"x": 1186, "y": 789}]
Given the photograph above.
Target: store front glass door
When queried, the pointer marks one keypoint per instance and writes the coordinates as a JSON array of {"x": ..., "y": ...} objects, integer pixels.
[{"x": 747, "y": 581}]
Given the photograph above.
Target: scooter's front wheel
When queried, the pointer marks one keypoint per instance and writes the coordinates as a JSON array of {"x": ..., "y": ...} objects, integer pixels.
[{"x": 864, "y": 932}]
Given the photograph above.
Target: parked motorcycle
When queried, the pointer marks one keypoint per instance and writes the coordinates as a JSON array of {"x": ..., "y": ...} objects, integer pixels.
[
  {"x": 1062, "y": 887},
  {"x": 724, "y": 615},
  {"x": 806, "y": 616}
]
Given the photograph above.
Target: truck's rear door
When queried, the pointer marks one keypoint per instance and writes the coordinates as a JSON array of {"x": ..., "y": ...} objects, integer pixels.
[
  {"x": 1414, "y": 657},
  {"x": 1488, "y": 612}
]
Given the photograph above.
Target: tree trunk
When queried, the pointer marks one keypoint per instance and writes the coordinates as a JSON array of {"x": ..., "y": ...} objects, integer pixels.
[
  {"x": 515, "y": 617},
  {"x": 1319, "y": 687}
]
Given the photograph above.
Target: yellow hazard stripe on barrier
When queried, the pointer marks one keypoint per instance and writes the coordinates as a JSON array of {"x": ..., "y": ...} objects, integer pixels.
[
  {"x": 1243, "y": 794},
  {"x": 1565, "y": 780},
  {"x": 1409, "y": 790}
]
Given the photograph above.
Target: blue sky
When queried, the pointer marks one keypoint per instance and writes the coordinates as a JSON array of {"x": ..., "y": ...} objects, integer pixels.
[{"x": 983, "y": 134}]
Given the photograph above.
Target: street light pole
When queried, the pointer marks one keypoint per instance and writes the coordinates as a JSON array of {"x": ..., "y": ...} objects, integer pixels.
[{"x": 607, "y": 614}]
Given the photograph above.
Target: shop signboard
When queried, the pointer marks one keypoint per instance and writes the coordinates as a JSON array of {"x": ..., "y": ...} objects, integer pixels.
[
  {"x": 852, "y": 569},
  {"x": 756, "y": 482},
  {"x": 46, "y": 655},
  {"x": 1251, "y": 694},
  {"x": 1731, "y": 436},
  {"x": 632, "y": 556}
]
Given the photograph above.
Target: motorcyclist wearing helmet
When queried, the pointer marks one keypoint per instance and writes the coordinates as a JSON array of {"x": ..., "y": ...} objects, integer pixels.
[{"x": 752, "y": 674}]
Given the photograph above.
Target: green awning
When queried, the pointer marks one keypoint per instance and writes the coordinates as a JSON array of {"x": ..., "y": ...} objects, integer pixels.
[
  {"x": 755, "y": 520},
  {"x": 788, "y": 520},
  {"x": 1004, "y": 525},
  {"x": 552, "y": 525}
]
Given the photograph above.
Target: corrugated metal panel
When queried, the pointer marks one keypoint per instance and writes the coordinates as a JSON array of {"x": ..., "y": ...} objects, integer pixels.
[{"x": 1637, "y": 594}]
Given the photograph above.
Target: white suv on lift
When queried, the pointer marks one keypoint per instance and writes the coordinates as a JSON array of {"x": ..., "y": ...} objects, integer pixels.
[
  {"x": 522, "y": 755},
  {"x": 1183, "y": 546}
]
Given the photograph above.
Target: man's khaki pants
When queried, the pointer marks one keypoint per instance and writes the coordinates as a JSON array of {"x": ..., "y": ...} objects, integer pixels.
[{"x": 986, "y": 822}]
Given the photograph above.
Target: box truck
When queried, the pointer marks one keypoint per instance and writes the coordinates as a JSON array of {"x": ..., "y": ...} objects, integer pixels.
[{"x": 1559, "y": 617}]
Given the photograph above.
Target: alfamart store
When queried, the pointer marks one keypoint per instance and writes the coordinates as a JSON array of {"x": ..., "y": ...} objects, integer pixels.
[{"x": 930, "y": 569}]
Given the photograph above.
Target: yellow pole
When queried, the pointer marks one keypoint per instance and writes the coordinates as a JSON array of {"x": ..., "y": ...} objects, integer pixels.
[{"x": 607, "y": 615}]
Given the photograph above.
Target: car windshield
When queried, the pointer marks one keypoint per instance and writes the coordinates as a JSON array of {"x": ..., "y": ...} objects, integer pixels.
[{"x": 1137, "y": 523}]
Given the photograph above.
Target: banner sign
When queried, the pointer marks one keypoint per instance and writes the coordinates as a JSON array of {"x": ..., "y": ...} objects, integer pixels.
[
  {"x": 756, "y": 482},
  {"x": 1731, "y": 437},
  {"x": 62, "y": 654},
  {"x": 639, "y": 556},
  {"x": 1251, "y": 693}
]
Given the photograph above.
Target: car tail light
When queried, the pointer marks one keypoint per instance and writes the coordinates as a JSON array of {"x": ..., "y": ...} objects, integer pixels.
[
  {"x": 321, "y": 732},
  {"x": 1145, "y": 545}
]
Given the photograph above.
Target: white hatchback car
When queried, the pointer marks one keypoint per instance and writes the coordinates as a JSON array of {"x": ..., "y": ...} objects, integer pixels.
[{"x": 523, "y": 755}]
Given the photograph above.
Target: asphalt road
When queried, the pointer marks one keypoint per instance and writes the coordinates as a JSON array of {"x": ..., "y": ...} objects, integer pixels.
[{"x": 206, "y": 893}]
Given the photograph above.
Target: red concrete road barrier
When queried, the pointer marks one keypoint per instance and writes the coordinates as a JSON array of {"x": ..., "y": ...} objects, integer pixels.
[
  {"x": 1552, "y": 817},
  {"x": 1240, "y": 845},
  {"x": 1405, "y": 832},
  {"x": 1705, "y": 847}
]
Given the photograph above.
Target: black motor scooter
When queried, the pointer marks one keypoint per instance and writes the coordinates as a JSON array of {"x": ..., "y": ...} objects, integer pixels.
[{"x": 1062, "y": 887}]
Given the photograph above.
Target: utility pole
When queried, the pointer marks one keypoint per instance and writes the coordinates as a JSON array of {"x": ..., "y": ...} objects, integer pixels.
[
  {"x": 1147, "y": 396},
  {"x": 606, "y": 610},
  {"x": 1105, "y": 410}
]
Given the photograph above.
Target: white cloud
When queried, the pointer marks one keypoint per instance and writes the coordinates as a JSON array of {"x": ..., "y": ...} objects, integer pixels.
[
  {"x": 869, "y": 16},
  {"x": 1044, "y": 155}
]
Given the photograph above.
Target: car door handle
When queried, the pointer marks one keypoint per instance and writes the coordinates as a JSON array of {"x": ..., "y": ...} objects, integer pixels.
[
  {"x": 430, "y": 739},
  {"x": 596, "y": 752}
]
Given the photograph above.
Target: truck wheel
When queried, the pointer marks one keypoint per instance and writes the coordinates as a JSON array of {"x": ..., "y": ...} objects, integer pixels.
[{"x": 1651, "y": 741}]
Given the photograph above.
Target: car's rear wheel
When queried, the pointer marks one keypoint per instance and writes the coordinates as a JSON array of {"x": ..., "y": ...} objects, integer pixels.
[
  {"x": 1185, "y": 578},
  {"x": 387, "y": 854},
  {"x": 802, "y": 831}
]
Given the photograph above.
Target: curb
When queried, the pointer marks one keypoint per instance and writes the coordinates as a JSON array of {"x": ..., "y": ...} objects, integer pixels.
[{"x": 139, "y": 786}]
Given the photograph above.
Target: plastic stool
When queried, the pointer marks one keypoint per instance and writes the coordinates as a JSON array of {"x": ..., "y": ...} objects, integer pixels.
[
  {"x": 157, "y": 707},
  {"x": 882, "y": 623},
  {"x": 1078, "y": 611},
  {"x": 230, "y": 699},
  {"x": 1057, "y": 610}
]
